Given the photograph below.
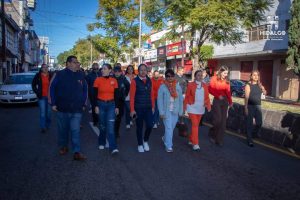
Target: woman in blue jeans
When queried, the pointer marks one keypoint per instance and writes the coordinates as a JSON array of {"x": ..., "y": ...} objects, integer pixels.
[
  {"x": 170, "y": 106},
  {"x": 106, "y": 94}
]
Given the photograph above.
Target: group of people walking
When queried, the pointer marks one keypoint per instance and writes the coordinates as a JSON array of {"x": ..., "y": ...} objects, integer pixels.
[{"x": 141, "y": 98}]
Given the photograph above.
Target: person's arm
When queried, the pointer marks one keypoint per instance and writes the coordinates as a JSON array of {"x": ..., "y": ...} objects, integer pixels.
[
  {"x": 132, "y": 95},
  {"x": 228, "y": 94},
  {"x": 160, "y": 101},
  {"x": 187, "y": 96},
  {"x": 85, "y": 93},
  {"x": 247, "y": 93},
  {"x": 180, "y": 98},
  {"x": 52, "y": 87},
  {"x": 127, "y": 87},
  {"x": 206, "y": 98},
  {"x": 152, "y": 98},
  {"x": 35, "y": 83}
]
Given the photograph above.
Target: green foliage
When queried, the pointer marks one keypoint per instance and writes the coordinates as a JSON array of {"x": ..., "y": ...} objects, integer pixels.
[
  {"x": 62, "y": 57},
  {"x": 206, "y": 52},
  {"x": 293, "y": 59},
  {"x": 119, "y": 20},
  {"x": 82, "y": 50},
  {"x": 218, "y": 21}
]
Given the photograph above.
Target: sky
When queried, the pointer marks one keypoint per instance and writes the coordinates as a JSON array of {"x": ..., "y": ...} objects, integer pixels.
[{"x": 63, "y": 21}]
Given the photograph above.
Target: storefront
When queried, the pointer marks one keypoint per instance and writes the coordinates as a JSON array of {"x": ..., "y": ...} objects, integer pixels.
[
  {"x": 161, "y": 59},
  {"x": 174, "y": 57},
  {"x": 150, "y": 58}
]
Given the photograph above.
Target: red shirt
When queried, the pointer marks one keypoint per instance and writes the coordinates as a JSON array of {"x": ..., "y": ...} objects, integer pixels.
[
  {"x": 45, "y": 84},
  {"x": 155, "y": 85},
  {"x": 132, "y": 95},
  {"x": 106, "y": 88},
  {"x": 220, "y": 88}
]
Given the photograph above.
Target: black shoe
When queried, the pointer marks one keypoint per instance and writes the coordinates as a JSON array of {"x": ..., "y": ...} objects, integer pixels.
[
  {"x": 250, "y": 144},
  {"x": 219, "y": 144}
]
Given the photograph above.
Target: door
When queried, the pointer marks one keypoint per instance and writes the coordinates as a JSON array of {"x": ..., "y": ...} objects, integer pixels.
[
  {"x": 246, "y": 69},
  {"x": 265, "y": 68}
]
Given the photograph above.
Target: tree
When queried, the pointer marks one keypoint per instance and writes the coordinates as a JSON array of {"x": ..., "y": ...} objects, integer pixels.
[
  {"x": 118, "y": 19},
  {"x": 219, "y": 21},
  {"x": 82, "y": 50},
  {"x": 62, "y": 57},
  {"x": 293, "y": 58}
]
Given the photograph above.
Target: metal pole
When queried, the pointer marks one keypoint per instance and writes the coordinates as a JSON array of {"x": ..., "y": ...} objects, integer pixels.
[
  {"x": 140, "y": 33},
  {"x": 91, "y": 54},
  {"x": 3, "y": 52},
  {"x": 182, "y": 46}
]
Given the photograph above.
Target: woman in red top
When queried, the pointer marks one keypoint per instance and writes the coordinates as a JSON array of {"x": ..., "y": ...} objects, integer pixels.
[
  {"x": 219, "y": 87},
  {"x": 40, "y": 86},
  {"x": 106, "y": 93},
  {"x": 156, "y": 83}
]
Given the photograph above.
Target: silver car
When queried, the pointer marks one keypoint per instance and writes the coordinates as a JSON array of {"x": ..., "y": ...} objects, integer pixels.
[{"x": 17, "y": 89}]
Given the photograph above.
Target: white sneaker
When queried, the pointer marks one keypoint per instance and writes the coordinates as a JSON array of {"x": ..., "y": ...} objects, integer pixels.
[
  {"x": 141, "y": 149},
  {"x": 196, "y": 147},
  {"x": 115, "y": 151},
  {"x": 128, "y": 126},
  {"x": 169, "y": 150},
  {"x": 155, "y": 126},
  {"x": 146, "y": 146},
  {"x": 107, "y": 145},
  {"x": 101, "y": 147},
  {"x": 131, "y": 123}
]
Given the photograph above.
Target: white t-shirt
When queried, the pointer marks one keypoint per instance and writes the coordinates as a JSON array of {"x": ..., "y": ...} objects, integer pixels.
[
  {"x": 198, "y": 107},
  {"x": 171, "y": 103}
]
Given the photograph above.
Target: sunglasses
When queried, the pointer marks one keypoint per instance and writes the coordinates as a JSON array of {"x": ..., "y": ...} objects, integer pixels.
[{"x": 169, "y": 76}]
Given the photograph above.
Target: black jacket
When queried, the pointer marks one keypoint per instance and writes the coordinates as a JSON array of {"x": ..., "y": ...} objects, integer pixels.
[
  {"x": 123, "y": 87},
  {"x": 37, "y": 84}
]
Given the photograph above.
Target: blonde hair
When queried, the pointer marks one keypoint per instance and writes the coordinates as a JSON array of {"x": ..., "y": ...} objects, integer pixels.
[{"x": 219, "y": 72}]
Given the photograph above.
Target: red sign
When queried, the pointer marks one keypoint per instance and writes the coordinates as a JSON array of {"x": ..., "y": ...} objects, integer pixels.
[{"x": 176, "y": 48}]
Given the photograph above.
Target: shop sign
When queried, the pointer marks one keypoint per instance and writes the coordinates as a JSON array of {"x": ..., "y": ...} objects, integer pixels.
[{"x": 176, "y": 48}]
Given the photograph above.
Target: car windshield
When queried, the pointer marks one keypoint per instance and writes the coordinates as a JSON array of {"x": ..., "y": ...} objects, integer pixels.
[{"x": 19, "y": 79}]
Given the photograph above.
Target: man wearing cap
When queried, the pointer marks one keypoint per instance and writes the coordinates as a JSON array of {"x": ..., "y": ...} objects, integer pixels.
[{"x": 123, "y": 90}]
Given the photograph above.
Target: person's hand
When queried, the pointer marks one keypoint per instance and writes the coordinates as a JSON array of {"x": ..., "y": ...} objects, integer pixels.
[
  {"x": 162, "y": 116},
  {"x": 153, "y": 110},
  {"x": 54, "y": 108},
  {"x": 97, "y": 110},
  {"x": 186, "y": 114},
  {"x": 133, "y": 113},
  {"x": 117, "y": 111},
  {"x": 246, "y": 111},
  {"x": 208, "y": 109},
  {"x": 221, "y": 97},
  {"x": 83, "y": 108}
]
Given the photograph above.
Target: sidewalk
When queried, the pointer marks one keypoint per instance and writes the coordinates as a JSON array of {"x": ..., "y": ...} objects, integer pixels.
[{"x": 281, "y": 101}]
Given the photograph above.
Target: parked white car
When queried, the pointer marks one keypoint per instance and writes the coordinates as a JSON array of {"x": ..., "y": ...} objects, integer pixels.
[{"x": 17, "y": 89}]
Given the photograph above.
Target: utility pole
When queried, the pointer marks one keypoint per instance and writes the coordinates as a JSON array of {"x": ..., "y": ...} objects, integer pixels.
[
  {"x": 3, "y": 52},
  {"x": 91, "y": 54},
  {"x": 182, "y": 46},
  {"x": 140, "y": 33}
]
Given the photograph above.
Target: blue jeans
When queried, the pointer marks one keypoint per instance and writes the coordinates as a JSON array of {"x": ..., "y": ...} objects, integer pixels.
[
  {"x": 141, "y": 116},
  {"x": 127, "y": 112},
  {"x": 69, "y": 123},
  {"x": 45, "y": 113},
  {"x": 107, "y": 124},
  {"x": 170, "y": 123},
  {"x": 156, "y": 114}
]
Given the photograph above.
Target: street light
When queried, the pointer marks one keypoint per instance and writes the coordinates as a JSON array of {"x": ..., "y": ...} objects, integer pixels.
[{"x": 140, "y": 33}]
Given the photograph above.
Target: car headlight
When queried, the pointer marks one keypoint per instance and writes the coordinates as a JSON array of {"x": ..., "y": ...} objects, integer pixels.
[
  {"x": 31, "y": 91},
  {"x": 2, "y": 92}
]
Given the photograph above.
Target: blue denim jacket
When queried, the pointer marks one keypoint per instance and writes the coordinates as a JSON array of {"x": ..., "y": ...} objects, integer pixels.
[{"x": 163, "y": 100}]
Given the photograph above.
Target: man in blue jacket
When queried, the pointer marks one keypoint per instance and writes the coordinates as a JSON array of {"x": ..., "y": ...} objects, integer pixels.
[{"x": 68, "y": 97}]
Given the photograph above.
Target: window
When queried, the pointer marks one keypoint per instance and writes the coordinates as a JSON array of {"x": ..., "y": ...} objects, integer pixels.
[{"x": 258, "y": 33}]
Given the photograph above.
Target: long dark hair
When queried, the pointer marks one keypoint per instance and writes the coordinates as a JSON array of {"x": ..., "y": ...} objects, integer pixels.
[
  {"x": 258, "y": 82},
  {"x": 130, "y": 66}
]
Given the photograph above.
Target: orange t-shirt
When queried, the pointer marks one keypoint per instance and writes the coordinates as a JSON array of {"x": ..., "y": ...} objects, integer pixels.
[
  {"x": 106, "y": 88},
  {"x": 45, "y": 85}
]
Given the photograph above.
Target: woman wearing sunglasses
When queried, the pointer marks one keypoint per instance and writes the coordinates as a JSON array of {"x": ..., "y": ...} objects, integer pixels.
[
  {"x": 195, "y": 102},
  {"x": 169, "y": 103}
]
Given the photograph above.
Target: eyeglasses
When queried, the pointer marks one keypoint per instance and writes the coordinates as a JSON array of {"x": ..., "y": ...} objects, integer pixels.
[{"x": 169, "y": 76}]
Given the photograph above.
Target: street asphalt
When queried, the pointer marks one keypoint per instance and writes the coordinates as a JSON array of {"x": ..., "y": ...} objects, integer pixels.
[{"x": 32, "y": 169}]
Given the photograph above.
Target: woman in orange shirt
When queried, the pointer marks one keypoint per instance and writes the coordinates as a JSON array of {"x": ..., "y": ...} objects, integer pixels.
[
  {"x": 195, "y": 102},
  {"x": 219, "y": 87},
  {"x": 105, "y": 92}
]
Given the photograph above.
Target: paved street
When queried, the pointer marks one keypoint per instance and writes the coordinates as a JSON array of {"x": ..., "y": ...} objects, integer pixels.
[{"x": 30, "y": 167}]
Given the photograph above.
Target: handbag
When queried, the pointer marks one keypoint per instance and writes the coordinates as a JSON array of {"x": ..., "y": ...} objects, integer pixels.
[{"x": 182, "y": 126}]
